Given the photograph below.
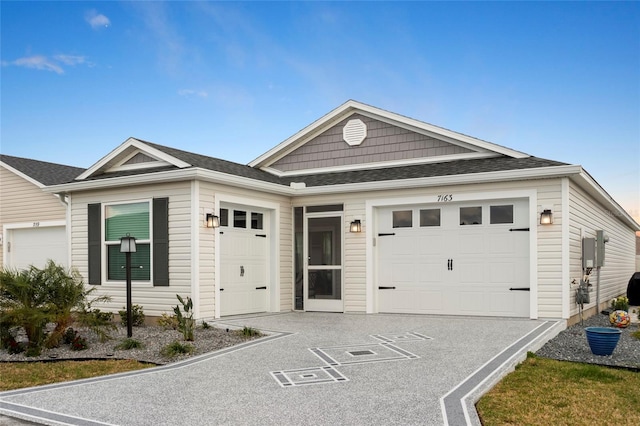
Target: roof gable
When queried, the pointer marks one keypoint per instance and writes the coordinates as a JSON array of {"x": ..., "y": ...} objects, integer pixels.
[
  {"x": 40, "y": 173},
  {"x": 133, "y": 155},
  {"x": 357, "y": 136}
]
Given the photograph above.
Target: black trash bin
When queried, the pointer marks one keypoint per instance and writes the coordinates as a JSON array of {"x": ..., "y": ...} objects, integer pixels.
[{"x": 633, "y": 290}]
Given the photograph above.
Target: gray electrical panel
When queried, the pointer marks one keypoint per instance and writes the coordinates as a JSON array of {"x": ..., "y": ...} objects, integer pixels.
[
  {"x": 601, "y": 239},
  {"x": 588, "y": 253}
]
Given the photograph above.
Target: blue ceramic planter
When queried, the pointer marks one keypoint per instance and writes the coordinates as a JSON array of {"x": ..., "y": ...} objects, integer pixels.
[{"x": 602, "y": 340}]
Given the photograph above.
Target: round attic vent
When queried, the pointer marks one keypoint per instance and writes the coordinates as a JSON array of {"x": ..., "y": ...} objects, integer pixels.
[{"x": 354, "y": 132}]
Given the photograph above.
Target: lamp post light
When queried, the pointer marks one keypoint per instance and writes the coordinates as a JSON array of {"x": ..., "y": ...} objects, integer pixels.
[{"x": 128, "y": 246}]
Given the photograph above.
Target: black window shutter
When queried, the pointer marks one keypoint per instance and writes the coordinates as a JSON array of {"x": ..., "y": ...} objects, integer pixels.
[
  {"x": 94, "y": 217},
  {"x": 160, "y": 241}
]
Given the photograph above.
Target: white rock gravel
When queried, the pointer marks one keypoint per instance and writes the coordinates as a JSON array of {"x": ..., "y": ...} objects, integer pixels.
[
  {"x": 154, "y": 339},
  {"x": 571, "y": 345}
]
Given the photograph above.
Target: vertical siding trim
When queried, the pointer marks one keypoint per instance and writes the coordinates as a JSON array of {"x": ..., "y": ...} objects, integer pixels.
[
  {"x": 216, "y": 259},
  {"x": 195, "y": 246},
  {"x": 534, "y": 223},
  {"x": 566, "y": 258}
]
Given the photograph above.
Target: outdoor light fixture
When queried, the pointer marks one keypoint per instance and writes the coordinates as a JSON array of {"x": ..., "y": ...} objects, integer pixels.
[
  {"x": 212, "y": 221},
  {"x": 128, "y": 246},
  {"x": 356, "y": 226},
  {"x": 546, "y": 217}
]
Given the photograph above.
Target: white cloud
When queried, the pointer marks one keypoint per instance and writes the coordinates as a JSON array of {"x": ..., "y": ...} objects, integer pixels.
[
  {"x": 96, "y": 20},
  {"x": 38, "y": 62},
  {"x": 45, "y": 63},
  {"x": 70, "y": 59},
  {"x": 189, "y": 93}
]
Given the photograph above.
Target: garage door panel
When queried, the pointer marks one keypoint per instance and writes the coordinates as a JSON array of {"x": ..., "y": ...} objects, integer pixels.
[
  {"x": 244, "y": 269},
  {"x": 467, "y": 269},
  {"x": 35, "y": 246}
]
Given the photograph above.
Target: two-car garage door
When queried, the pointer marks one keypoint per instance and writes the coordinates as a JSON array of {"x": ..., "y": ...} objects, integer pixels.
[{"x": 454, "y": 259}]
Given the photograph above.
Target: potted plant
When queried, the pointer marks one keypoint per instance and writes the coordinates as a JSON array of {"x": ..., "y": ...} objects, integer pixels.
[{"x": 602, "y": 340}]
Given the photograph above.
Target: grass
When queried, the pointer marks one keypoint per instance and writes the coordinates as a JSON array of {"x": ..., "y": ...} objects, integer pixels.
[
  {"x": 548, "y": 392},
  {"x": 17, "y": 375}
]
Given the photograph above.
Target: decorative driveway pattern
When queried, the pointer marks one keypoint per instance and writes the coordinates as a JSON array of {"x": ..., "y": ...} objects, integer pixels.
[{"x": 431, "y": 380}]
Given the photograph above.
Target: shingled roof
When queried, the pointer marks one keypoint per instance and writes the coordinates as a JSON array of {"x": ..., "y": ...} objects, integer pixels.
[
  {"x": 42, "y": 171},
  {"x": 450, "y": 168}
]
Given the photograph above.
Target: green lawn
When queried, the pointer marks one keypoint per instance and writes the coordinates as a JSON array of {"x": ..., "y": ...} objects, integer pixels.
[{"x": 548, "y": 392}]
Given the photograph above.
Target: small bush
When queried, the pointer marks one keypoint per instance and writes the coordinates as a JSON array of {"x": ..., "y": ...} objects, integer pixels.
[
  {"x": 79, "y": 344},
  {"x": 636, "y": 334},
  {"x": 33, "y": 350},
  {"x": 69, "y": 336},
  {"x": 11, "y": 345},
  {"x": 129, "y": 343},
  {"x": 168, "y": 322},
  {"x": 137, "y": 316},
  {"x": 205, "y": 325},
  {"x": 186, "y": 323},
  {"x": 176, "y": 348},
  {"x": 620, "y": 303},
  {"x": 250, "y": 332}
]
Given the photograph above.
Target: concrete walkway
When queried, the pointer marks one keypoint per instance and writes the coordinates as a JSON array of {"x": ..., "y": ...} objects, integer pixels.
[{"x": 314, "y": 368}]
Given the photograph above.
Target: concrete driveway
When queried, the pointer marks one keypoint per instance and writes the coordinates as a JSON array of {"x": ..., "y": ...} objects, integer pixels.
[{"x": 314, "y": 368}]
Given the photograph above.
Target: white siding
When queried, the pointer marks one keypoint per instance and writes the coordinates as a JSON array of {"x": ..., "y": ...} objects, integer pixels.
[
  {"x": 586, "y": 217},
  {"x": 23, "y": 202},
  {"x": 155, "y": 300}
]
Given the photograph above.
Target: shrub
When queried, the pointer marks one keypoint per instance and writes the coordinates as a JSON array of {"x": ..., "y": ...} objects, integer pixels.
[
  {"x": 186, "y": 323},
  {"x": 176, "y": 348},
  {"x": 137, "y": 316},
  {"x": 69, "y": 336},
  {"x": 168, "y": 322},
  {"x": 250, "y": 332},
  {"x": 620, "y": 303},
  {"x": 129, "y": 343},
  {"x": 95, "y": 320},
  {"x": 205, "y": 325},
  {"x": 79, "y": 344}
]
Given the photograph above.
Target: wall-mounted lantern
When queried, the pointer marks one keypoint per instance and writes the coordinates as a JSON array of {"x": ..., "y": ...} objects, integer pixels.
[
  {"x": 546, "y": 217},
  {"x": 212, "y": 221},
  {"x": 356, "y": 226}
]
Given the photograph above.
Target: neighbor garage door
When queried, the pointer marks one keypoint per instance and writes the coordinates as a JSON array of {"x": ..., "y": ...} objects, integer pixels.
[
  {"x": 244, "y": 286},
  {"x": 454, "y": 259},
  {"x": 34, "y": 246}
]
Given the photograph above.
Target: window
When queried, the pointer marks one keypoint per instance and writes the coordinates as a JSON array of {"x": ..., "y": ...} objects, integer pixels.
[
  {"x": 132, "y": 219},
  {"x": 430, "y": 217},
  {"x": 501, "y": 214},
  {"x": 470, "y": 215},
  {"x": 256, "y": 220},
  {"x": 148, "y": 222},
  {"x": 403, "y": 219},
  {"x": 224, "y": 217},
  {"x": 239, "y": 219}
]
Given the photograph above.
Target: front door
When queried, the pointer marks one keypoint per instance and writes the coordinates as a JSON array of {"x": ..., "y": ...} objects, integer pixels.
[{"x": 323, "y": 277}]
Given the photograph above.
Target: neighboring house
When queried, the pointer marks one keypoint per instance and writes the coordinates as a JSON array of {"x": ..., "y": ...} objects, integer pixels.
[
  {"x": 449, "y": 224},
  {"x": 33, "y": 222}
]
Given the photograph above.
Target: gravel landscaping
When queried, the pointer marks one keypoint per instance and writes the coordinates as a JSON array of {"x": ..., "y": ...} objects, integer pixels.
[
  {"x": 154, "y": 338},
  {"x": 571, "y": 345}
]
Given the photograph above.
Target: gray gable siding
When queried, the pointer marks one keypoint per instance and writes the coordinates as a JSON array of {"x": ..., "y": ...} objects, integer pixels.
[{"x": 384, "y": 142}]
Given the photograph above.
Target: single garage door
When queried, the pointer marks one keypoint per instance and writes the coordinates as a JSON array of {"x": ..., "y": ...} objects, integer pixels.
[
  {"x": 34, "y": 246},
  {"x": 454, "y": 259},
  {"x": 244, "y": 265}
]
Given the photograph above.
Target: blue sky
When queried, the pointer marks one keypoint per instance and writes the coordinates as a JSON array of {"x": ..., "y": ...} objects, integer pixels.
[{"x": 232, "y": 79}]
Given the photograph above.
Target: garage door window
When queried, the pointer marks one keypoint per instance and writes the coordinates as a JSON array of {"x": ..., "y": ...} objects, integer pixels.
[
  {"x": 224, "y": 217},
  {"x": 239, "y": 219},
  {"x": 470, "y": 215},
  {"x": 256, "y": 220},
  {"x": 430, "y": 217},
  {"x": 403, "y": 219},
  {"x": 500, "y": 214},
  {"x": 128, "y": 219}
]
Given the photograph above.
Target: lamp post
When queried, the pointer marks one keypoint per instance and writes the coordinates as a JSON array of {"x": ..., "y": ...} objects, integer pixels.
[{"x": 128, "y": 246}]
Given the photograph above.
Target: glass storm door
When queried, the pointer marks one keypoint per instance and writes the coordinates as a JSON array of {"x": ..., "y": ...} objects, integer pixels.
[{"x": 323, "y": 280}]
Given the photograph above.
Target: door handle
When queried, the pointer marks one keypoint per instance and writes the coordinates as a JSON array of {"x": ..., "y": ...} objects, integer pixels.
[
  {"x": 386, "y": 288},
  {"x": 242, "y": 271},
  {"x": 261, "y": 288}
]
